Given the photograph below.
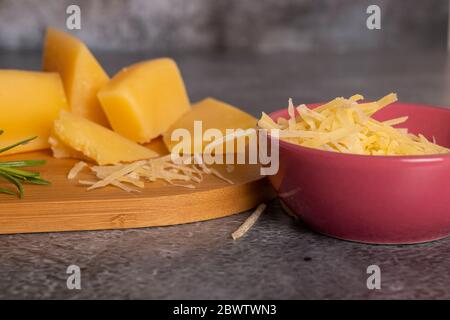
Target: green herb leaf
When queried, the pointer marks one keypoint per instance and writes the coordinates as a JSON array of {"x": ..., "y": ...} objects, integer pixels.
[
  {"x": 39, "y": 181},
  {"x": 19, "y": 173},
  {"x": 17, "y": 144},
  {"x": 14, "y": 181},
  {"x": 7, "y": 191},
  {"x": 10, "y": 173},
  {"x": 22, "y": 163}
]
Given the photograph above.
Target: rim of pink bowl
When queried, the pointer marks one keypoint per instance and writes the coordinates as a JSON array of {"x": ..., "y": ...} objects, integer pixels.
[{"x": 411, "y": 159}]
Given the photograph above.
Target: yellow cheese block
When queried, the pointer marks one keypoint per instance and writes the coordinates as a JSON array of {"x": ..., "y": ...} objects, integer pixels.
[
  {"x": 144, "y": 100},
  {"x": 214, "y": 114},
  {"x": 29, "y": 103},
  {"x": 81, "y": 73},
  {"x": 94, "y": 141}
]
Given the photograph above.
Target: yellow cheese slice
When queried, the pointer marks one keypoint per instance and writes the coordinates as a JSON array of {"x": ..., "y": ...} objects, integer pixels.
[
  {"x": 61, "y": 150},
  {"x": 81, "y": 73},
  {"x": 214, "y": 114},
  {"x": 29, "y": 103},
  {"x": 145, "y": 99},
  {"x": 95, "y": 141}
]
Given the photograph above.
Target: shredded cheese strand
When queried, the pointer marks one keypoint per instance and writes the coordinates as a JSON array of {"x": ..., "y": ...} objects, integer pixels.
[
  {"x": 249, "y": 222},
  {"x": 162, "y": 168},
  {"x": 344, "y": 125},
  {"x": 76, "y": 169}
]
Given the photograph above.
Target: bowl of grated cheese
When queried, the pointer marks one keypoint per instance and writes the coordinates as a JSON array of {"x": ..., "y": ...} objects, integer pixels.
[{"x": 376, "y": 172}]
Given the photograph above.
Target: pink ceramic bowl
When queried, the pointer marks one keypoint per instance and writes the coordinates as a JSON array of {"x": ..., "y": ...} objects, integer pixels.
[{"x": 372, "y": 199}]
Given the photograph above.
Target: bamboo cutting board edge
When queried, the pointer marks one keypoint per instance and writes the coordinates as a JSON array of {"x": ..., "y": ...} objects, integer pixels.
[{"x": 67, "y": 206}]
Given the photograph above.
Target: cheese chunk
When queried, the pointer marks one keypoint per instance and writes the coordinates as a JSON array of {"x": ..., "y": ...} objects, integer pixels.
[
  {"x": 144, "y": 100},
  {"x": 213, "y": 114},
  {"x": 29, "y": 103},
  {"x": 81, "y": 74},
  {"x": 95, "y": 142}
]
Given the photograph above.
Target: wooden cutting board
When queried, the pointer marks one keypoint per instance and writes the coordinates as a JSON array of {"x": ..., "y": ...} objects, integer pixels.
[{"x": 65, "y": 205}]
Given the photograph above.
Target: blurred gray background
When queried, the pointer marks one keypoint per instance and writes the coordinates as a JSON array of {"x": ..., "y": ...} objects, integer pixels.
[
  {"x": 229, "y": 25},
  {"x": 254, "y": 54}
]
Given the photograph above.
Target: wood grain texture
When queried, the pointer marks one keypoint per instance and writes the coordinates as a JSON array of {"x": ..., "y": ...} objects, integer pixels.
[{"x": 66, "y": 205}]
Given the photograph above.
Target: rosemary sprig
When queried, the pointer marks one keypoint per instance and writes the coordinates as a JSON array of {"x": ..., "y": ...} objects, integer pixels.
[{"x": 10, "y": 173}]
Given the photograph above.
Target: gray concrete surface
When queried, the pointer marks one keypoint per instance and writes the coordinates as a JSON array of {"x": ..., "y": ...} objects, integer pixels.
[{"x": 280, "y": 258}]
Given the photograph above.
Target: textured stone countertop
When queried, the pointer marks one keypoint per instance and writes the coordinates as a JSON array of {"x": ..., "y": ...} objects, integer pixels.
[{"x": 280, "y": 258}]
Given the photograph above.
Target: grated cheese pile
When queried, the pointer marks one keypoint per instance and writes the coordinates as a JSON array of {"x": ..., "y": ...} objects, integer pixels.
[
  {"x": 151, "y": 170},
  {"x": 344, "y": 125}
]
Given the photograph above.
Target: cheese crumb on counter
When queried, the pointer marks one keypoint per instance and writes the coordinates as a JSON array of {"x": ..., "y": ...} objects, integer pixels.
[{"x": 245, "y": 227}]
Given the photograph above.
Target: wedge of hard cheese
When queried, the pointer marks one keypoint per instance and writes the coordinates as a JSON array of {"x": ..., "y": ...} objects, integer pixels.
[
  {"x": 213, "y": 114},
  {"x": 144, "y": 100},
  {"x": 81, "y": 73},
  {"x": 94, "y": 141},
  {"x": 29, "y": 103}
]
